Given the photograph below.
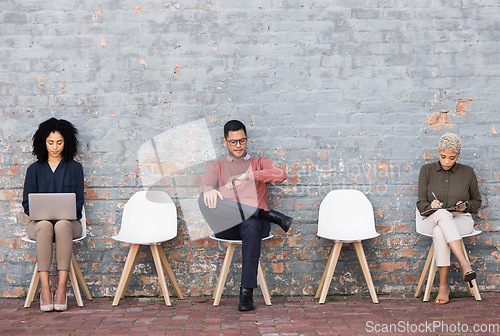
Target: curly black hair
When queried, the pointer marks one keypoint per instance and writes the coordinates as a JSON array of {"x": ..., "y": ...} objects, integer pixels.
[{"x": 68, "y": 132}]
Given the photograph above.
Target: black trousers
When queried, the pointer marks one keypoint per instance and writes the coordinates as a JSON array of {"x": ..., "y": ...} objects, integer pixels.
[{"x": 233, "y": 220}]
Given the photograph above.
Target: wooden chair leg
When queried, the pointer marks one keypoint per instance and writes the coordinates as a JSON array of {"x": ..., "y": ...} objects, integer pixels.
[
  {"x": 330, "y": 266},
  {"x": 79, "y": 277},
  {"x": 425, "y": 271},
  {"x": 161, "y": 275},
  {"x": 366, "y": 271},
  {"x": 223, "y": 273},
  {"x": 263, "y": 286},
  {"x": 469, "y": 290},
  {"x": 129, "y": 275},
  {"x": 474, "y": 290},
  {"x": 74, "y": 284},
  {"x": 126, "y": 273},
  {"x": 33, "y": 289},
  {"x": 430, "y": 279},
  {"x": 38, "y": 285},
  {"x": 170, "y": 273},
  {"x": 323, "y": 277}
]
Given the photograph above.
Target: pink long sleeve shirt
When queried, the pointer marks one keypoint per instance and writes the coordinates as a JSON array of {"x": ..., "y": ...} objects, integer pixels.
[{"x": 253, "y": 192}]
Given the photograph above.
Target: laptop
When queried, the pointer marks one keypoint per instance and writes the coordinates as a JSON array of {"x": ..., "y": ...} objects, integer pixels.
[{"x": 46, "y": 206}]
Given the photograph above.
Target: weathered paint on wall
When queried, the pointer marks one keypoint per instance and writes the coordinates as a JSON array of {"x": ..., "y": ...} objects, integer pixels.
[{"x": 343, "y": 94}]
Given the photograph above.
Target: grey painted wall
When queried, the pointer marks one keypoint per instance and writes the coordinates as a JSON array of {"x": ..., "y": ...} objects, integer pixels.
[{"x": 343, "y": 94}]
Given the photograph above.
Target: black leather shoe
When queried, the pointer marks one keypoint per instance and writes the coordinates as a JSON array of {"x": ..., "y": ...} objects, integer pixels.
[
  {"x": 277, "y": 218},
  {"x": 246, "y": 299}
]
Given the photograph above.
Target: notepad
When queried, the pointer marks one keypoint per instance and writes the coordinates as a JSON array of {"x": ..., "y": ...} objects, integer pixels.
[
  {"x": 56, "y": 206},
  {"x": 433, "y": 210}
]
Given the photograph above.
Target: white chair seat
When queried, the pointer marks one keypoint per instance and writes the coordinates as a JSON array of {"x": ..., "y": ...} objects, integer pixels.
[
  {"x": 345, "y": 216},
  {"x": 261, "y": 280},
  {"x": 235, "y": 241},
  {"x": 473, "y": 233},
  {"x": 149, "y": 218}
]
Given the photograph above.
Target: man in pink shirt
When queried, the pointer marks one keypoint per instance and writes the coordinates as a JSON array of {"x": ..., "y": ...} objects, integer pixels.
[{"x": 233, "y": 201}]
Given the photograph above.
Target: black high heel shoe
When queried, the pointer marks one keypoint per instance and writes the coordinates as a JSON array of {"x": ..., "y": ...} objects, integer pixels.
[{"x": 469, "y": 276}]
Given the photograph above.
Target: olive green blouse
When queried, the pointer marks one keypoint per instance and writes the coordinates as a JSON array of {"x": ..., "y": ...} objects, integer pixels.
[{"x": 459, "y": 183}]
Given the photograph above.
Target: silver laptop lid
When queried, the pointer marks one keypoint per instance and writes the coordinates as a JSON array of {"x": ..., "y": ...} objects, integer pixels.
[{"x": 45, "y": 206}]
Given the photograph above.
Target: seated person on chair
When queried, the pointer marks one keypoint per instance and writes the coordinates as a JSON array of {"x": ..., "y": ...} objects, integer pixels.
[
  {"x": 55, "y": 171},
  {"x": 448, "y": 184},
  {"x": 233, "y": 201}
]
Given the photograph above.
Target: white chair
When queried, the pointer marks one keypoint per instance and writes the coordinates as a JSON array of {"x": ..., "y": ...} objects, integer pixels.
[
  {"x": 261, "y": 280},
  {"x": 430, "y": 267},
  {"x": 149, "y": 218},
  {"x": 75, "y": 274},
  {"x": 345, "y": 216}
]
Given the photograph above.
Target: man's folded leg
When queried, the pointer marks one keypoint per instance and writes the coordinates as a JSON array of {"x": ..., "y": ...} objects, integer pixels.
[
  {"x": 229, "y": 213},
  {"x": 226, "y": 215}
]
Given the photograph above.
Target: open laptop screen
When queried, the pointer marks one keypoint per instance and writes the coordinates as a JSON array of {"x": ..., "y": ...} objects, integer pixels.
[{"x": 47, "y": 206}]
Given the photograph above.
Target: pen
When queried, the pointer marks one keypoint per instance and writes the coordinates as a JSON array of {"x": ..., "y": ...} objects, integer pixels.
[{"x": 433, "y": 194}]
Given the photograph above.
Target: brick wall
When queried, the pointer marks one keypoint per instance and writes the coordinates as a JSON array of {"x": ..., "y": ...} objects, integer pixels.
[{"x": 343, "y": 94}]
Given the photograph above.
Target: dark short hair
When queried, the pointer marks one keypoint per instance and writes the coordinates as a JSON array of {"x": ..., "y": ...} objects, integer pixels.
[
  {"x": 68, "y": 132},
  {"x": 234, "y": 125}
]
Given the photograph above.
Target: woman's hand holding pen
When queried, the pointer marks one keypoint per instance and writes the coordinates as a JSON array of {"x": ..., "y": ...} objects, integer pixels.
[{"x": 436, "y": 204}]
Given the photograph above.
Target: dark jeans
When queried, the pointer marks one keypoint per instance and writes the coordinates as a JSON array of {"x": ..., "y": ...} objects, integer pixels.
[{"x": 232, "y": 220}]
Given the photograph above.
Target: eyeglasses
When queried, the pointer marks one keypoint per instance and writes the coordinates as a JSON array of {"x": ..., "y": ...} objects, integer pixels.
[{"x": 242, "y": 141}]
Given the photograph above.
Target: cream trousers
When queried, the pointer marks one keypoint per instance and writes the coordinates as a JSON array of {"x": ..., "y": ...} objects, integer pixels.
[
  {"x": 62, "y": 233},
  {"x": 445, "y": 227}
]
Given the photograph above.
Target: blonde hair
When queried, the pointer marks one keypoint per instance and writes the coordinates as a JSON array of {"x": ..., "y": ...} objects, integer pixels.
[{"x": 450, "y": 141}]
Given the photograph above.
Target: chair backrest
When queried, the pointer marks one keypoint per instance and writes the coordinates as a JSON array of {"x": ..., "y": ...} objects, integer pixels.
[
  {"x": 83, "y": 221},
  {"x": 346, "y": 215},
  {"x": 148, "y": 217},
  {"x": 418, "y": 221}
]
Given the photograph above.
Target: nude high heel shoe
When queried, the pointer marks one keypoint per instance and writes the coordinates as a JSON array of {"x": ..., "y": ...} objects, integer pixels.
[
  {"x": 61, "y": 307},
  {"x": 47, "y": 307}
]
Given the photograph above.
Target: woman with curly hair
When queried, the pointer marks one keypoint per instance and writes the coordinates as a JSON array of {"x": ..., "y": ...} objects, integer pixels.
[
  {"x": 55, "y": 171},
  {"x": 444, "y": 185}
]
